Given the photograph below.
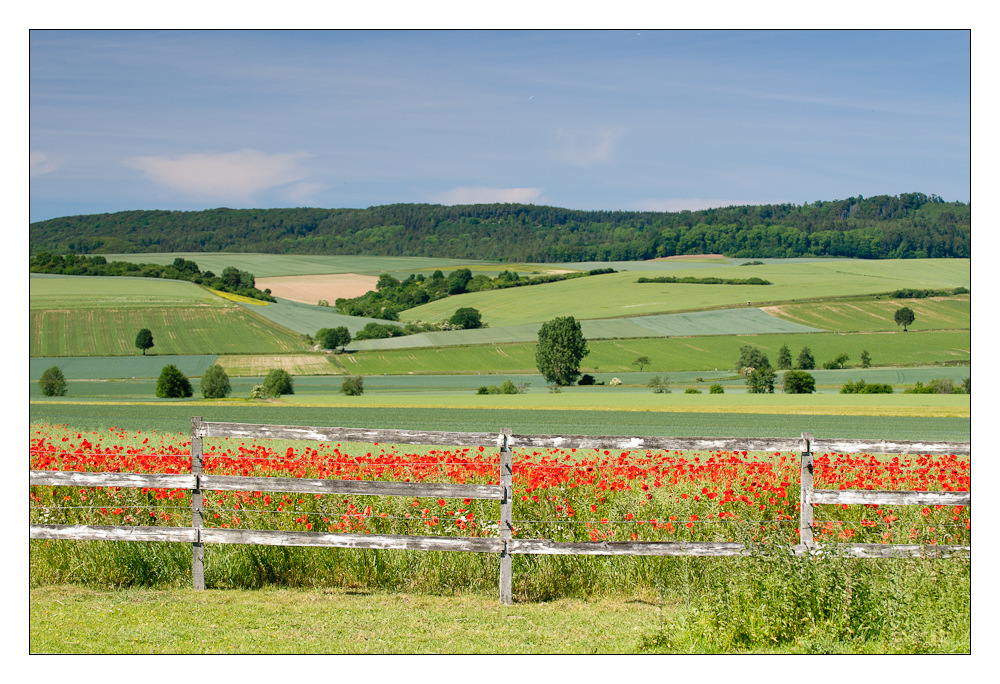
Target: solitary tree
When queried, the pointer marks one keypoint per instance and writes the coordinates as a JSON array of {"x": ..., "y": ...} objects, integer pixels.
[
  {"x": 755, "y": 368},
  {"x": 761, "y": 380},
  {"x": 640, "y": 362},
  {"x": 53, "y": 382},
  {"x": 904, "y": 317},
  {"x": 806, "y": 361},
  {"x": 331, "y": 338},
  {"x": 277, "y": 382},
  {"x": 798, "y": 382},
  {"x": 467, "y": 318},
  {"x": 751, "y": 357},
  {"x": 866, "y": 359},
  {"x": 561, "y": 348},
  {"x": 215, "y": 383},
  {"x": 353, "y": 386},
  {"x": 144, "y": 340},
  {"x": 172, "y": 383}
]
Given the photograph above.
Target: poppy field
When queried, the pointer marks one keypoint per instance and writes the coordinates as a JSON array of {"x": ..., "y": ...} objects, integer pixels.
[{"x": 717, "y": 604}]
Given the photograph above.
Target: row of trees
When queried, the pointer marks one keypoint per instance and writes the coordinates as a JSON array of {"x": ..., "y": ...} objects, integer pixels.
[
  {"x": 909, "y": 225},
  {"x": 232, "y": 280}
]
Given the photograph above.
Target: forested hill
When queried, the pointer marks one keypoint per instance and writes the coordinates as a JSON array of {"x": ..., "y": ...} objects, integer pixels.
[{"x": 906, "y": 226}]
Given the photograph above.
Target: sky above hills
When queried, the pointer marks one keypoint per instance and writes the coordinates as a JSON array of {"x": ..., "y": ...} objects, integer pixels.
[{"x": 616, "y": 119}]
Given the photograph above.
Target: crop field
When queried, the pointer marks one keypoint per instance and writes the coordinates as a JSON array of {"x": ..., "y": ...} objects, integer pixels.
[
  {"x": 306, "y": 319},
  {"x": 95, "y": 316},
  {"x": 939, "y": 313},
  {"x": 616, "y": 295},
  {"x": 46, "y": 292},
  {"x": 672, "y": 354},
  {"x": 311, "y": 289},
  {"x": 745, "y": 321},
  {"x": 241, "y": 365},
  {"x": 114, "y": 367}
]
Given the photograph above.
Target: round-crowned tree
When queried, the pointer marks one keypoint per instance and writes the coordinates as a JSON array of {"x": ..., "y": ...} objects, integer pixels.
[
  {"x": 904, "y": 317},
  {"x": 561, "y": 348},
  {"x": 277, "y": 382},
  {"x": 172, "y": 383},
  {"x": 144, "y": 340},
  {"x": 798, "y": 382},
  {"x": 215, "y": 383},
  {"x": 466, "y": 318},
  {"x": 53, "y": 382}
]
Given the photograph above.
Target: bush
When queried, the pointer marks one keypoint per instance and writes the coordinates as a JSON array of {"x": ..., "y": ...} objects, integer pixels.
[
  {"x": 836, "y": 363},
  {"x": 861, "y": 387},
  {"x": 659, "y": 385},
  {"x": 586, "y": 379},
  {"x": 257, "y": 392},
  {"x": 716, "y": 388},
  {"x": 53, "y": 382},
  {"x": 940, "y": 386},
  {"x": 692, "y": 390},
  {"x": 508, "y": 387},
  {"x": 215, "y": 383},
  {"x": 798, "y": 382},
  {"x": 615, "y": 382},
  {"x": 172, "y": 383},
  {"x": 353, "y": 386},
  {"x": 467, "y": 318},
  {"x": 277, "y": 382}
]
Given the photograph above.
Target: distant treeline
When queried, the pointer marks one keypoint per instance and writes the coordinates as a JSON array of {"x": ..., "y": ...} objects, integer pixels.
[
  {"x": 911, "y": 225},
  {"x": 392, "y": 296},
  {"x": 232, "y": 279},
  {"x": 705, "y": 281}
]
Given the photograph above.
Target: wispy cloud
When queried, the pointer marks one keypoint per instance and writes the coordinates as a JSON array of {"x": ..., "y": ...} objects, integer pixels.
[
  {"x": 41, "y": 163},
  {"x": 482, "y": 195},
  {"x": 587, "y": 147},
  {"x": 226, "y": 175}
]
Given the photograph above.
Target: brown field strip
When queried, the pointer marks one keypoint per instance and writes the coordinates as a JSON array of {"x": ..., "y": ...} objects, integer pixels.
[{"x": 311, "y": 289}]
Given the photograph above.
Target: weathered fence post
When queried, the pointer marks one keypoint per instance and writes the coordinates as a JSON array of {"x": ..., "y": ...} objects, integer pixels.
[
  {"x": 805, "y": 489},
  {"x": 197, "y": 548},
  {"x": 506, "y": 516}
]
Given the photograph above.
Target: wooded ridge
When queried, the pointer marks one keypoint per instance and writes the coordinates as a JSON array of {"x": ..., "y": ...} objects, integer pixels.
[{"x": 910, "y": 225}]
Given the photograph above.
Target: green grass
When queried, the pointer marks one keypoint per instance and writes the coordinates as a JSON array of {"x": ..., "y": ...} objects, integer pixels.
[
  {"x": 616, "y": 295},
  {"x": 93, "y": 292},
  {"x": 69, "y": 619}
]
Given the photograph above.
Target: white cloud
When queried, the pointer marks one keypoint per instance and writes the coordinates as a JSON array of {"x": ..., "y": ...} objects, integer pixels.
[
  {"x": 227, "y": 175},
  {"x": 693, "y": 204},
  {"x": 40, "y": 163},
  {"x": 482, "y": 195},
  {"x": 587, "y": 147}
]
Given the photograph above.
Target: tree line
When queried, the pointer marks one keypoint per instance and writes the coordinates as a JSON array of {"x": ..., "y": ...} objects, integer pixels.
[
  {"x": 232, "y": 280},
  {"x": 910, "y": 225}
]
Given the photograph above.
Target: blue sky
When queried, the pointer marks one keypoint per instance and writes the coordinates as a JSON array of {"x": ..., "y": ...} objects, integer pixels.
[{"x": 617, "y": 119}]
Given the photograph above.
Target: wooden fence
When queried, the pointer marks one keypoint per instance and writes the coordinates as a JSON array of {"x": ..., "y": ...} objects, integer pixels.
[{"x": 197, "y": 482}]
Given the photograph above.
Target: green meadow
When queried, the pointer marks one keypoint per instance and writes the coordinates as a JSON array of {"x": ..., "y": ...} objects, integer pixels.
[{"x": 618, "y": 295}]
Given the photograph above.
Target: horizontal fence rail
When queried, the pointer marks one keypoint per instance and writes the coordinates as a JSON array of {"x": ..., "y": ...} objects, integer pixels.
[{"x": 505, "y": 545}]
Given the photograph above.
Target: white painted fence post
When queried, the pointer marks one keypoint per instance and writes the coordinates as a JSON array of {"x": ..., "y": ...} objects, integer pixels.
[
  {"x": 805, "y": 489},
  {"x": 197, "y": 501},
  {"x": 506, "y": 516}
]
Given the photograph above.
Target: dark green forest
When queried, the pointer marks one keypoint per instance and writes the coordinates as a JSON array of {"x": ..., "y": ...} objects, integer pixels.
[{"x": 910, "y": 225}]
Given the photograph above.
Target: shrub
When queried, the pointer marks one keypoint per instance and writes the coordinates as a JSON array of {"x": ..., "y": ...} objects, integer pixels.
[
  {"x": 257, "y": 392},
  {"x": 215, "y": 383},
  {"x": 692, "y": 390},
  {"x": 798, "y": 382},
  {"x": 277, "y": 382},
  {"x": 716, "y": 388},
  {"x": 615, "y": 382},
  {"x": 53, "y": 382},
  {"x": 761, "y": 381},
  {"x": 466, "y": 318},
  {"x": 586, "y": 379},
  {"x": 353, "y": 386},
  {"x": 836, "y": 363},
  {"x": 861, "y": 387},
  {"x": 172, "y": 383},
  {"x": 508, "y": 387},
  {"x": 659, "y": 385}
]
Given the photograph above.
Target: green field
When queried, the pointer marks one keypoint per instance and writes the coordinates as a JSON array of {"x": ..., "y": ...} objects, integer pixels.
[
  {"x": 618, "y": 295},
  {"x": 672, "y": 354},
  {"x": 95, "y": 316},
  {"x": 939, "y": 313}
]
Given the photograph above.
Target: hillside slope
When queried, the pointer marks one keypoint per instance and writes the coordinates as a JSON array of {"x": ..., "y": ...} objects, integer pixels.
[{"x": 906, "y": 226}]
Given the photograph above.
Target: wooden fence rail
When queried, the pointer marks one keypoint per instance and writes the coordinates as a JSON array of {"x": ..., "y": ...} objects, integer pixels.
[{"x": 197, "y": 535}]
